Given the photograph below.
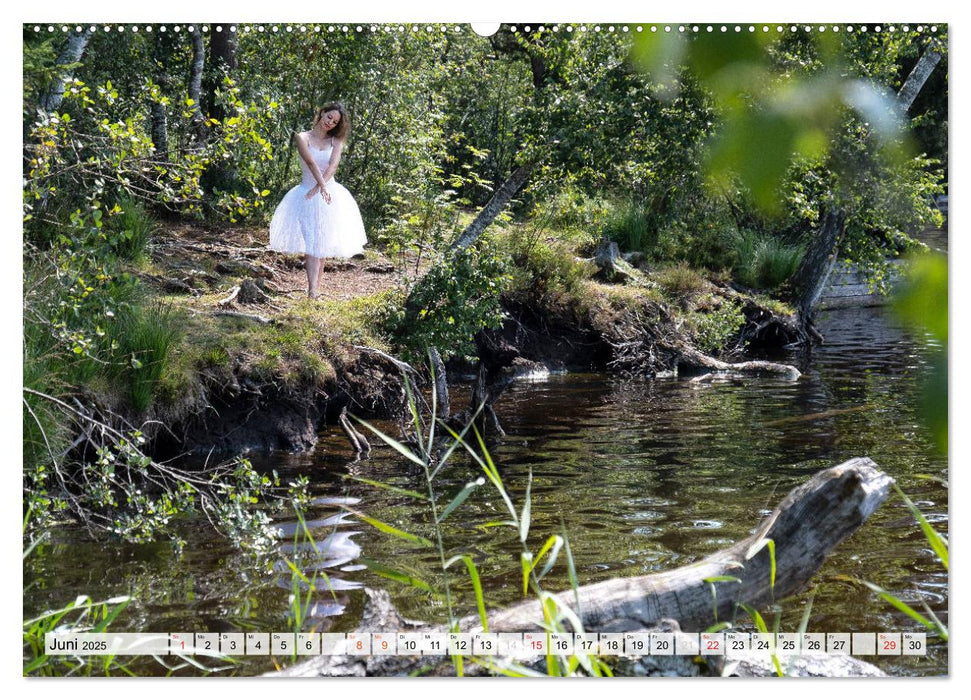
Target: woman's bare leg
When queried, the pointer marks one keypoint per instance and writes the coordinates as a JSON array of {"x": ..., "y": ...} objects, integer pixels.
[{"x": 312, "y": 265}]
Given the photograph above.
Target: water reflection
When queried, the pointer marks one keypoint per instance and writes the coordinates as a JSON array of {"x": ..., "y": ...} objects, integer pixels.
[{"x": 640, "y": 475}]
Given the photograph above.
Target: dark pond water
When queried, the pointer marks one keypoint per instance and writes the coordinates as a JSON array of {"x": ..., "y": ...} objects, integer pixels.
[{"x": 641, "y": 476}]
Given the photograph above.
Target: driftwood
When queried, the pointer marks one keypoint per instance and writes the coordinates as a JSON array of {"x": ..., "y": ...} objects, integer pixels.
[
  {"x": 400, "y": 364},
  {"x": 813, "y": 519},
  {"x": 354, "y": 436},
  {"x": 694, "y": 360}
]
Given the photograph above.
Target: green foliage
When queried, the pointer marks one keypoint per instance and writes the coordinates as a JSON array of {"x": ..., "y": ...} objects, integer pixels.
[
  {"x": 145, "y": 338},
  {"x": 572, "y": 214},
  {"x": 921, "y": 302},
  {"x": 129, "y": 228},
  {"x": 455, "y": 300},
  {"x": 81, "y": 616},
  {"x": 680, "y": 281},
  {"x": 545, "y": 270},
  {"x": 716, "y": 328},
  {"x": 631, "y": 226},
  {"x": 765, "y": 262},
  {"x": 806, "y": 123}
]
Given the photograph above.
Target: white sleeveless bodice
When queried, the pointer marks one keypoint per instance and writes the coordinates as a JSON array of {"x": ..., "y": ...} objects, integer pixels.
[{"x": 321, "y": 158}]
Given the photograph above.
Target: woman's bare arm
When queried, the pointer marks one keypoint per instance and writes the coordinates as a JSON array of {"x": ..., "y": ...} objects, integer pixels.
[
  {"x": 335, "y": 158},
  {"x": 303, "y": 148}
]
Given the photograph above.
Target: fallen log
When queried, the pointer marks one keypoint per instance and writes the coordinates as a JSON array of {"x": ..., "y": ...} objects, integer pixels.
[
  {"x": 813, "y": 519},
  {"x": 693, "y": 360}
]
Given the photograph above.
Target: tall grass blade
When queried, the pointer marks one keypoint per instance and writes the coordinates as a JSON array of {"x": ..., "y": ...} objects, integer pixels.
[
  {"x": 389, "y": 529},
  {"x": 937, "y": 541},
  {"x": 476, "y": 586},
  {"x": 526, "y": 564},
  {"x": 571, "y": 570},
  {"x": 416, "y": 419},
  {"x": 431, "y": 426},
  {"x": 395, "y": 575},
  {"x": 387, "y": 439},
  {"x": 493, "y": 474},
  {"x": 770, "y": 543},
  {"x": 557, "y": 543},
  {"x": 33, "y": 545},
  {"x": 460, "y": 498},
  {"x": 900, "y": 605},
  {"x": 524, "y": 519},
  {"x": 711, "y": 581},
  {"x": 761, "y": 627},
  {"x": 458, "y": 439},
  {"x": 387, "y": 487}
]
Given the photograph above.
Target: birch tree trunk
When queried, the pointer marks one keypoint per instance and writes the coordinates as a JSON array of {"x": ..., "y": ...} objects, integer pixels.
[
  {"x": 71, "y": 53},
  {"x": 195, "y": 85},
  {"x": 494, "y": 207},
  {"x": 918, "y": 77}
]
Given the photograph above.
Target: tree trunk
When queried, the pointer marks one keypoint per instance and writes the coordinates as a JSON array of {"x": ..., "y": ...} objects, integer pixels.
[
  {"x": 441, "y": 384},
  {"x": 494, "y": 207},
  {"x": 222, "y": 60},
  {"x": 71, "y": 53},
  {"x": 163, "y": 50},
  {"x": 918, "y": 77},
  {"x": 160, "y": 132},
  {"x": 195, "y": 85},
  {"x": 810, "y": 279},
  {"x": 813, "y": 519}
]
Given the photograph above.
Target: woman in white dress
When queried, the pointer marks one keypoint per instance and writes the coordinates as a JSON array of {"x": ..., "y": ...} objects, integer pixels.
[{"x": 319, "y": 218}]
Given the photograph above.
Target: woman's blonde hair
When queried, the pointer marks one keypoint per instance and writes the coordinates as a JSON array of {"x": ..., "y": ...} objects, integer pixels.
[{"x": 340, "y": 130}]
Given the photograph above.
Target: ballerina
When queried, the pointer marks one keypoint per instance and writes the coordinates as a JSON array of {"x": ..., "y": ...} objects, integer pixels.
[{"x": 319, "y": 217}]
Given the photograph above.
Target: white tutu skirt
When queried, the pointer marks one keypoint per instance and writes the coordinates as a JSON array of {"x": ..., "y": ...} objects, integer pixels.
[{"x": 314, "y": 227}]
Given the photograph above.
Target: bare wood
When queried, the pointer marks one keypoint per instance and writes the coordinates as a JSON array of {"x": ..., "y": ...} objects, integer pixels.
[
  {"x": 354, "y": 436},
  {"x": 233, "y": 293},
  {"x": 812, "y": 520},
  {"x": 400, "y": 364},
  {"x": 441, "y": 383},
  {"x": 250, "y": 292},
  {"x": 613, "y": 268},
  {"x": 195, "y": 85},
  {"x": 247, "y": 317},
  {"x": 696, "y": 360}
]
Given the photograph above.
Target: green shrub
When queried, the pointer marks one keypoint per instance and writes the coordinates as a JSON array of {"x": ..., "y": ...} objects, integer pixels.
[
  {"x": 765, "y": 262},
  {"x": 715, "y": 328},
  {"x": 145, "y": 337},
  {"x": 680, "y": 281},
  {"x": 544, "y": 269},
  {"x": 457, "y": 297},
  {"x": 129, "y": 229},
  {"x": 574, "y": 215},
  {"x": 632, "y": 227}
]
